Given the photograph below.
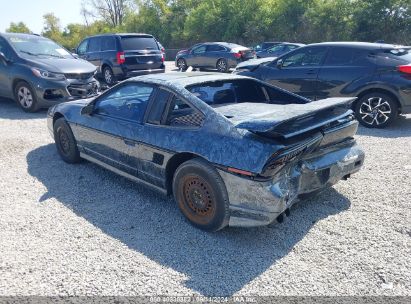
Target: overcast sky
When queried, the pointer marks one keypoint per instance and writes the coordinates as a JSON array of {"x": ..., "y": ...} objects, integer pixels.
[{"x": 31, "y": 12}]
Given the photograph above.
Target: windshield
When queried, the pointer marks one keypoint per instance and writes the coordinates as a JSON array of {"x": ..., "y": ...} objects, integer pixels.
[
  {"x": 138, "y": 43},
  {"x": 38, "y": 46}
]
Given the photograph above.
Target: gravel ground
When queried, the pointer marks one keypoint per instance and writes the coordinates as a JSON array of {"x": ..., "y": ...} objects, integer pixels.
[{"x": 81, "y": 230}]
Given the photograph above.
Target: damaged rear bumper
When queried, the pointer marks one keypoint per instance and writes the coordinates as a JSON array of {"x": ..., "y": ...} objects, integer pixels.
[{"x": 258, "y": 203}]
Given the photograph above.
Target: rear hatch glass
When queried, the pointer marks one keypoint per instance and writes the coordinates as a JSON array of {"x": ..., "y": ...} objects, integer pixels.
[
  {"x": 130, "y": 43},
  {"x": 141, "y": 53},
  {"x": 399, "y": 54}
]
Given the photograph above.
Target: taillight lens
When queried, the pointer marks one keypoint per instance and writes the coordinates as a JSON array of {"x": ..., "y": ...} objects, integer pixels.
[
  {"x": 162, "y": 57},
  {"x": 405, "y": 68},
  {"x": 237, "y": 55},
  {"x": 121, "y": 58}
]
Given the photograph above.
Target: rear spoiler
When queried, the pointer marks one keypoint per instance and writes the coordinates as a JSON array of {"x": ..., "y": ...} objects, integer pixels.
[{"x": 302, "y": 118}]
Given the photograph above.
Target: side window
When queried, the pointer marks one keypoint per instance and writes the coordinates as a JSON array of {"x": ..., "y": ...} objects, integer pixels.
[
  {"x": 94, "y": 45},
  {"x": 181, "y": 114},
  {"x": 127, "y": 102},
  {"x": 158, "y": 107},
  {"x": 5, "y": 49},
  {"x": 346, "y": 56},
  {"x": 305, "y": 57},
  {"x": 276, "y": 48},
  {"x": 200, "y": 50},
  {"x": 82, "y": 48},
  {"x": 215, "y": 48},
  {"x": 108, "y": 43}
]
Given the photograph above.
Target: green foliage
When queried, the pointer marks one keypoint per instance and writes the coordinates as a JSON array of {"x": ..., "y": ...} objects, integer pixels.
[
  {"x": 20, "y": 27},
  {"x": 180, "y": 23}
]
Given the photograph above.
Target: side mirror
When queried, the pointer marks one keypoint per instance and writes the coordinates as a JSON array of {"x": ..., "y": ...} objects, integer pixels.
[
  {"x": 88, "y": 109},
  {"x": 279, "y": 63},
  {"x": 4, "y": 58}
]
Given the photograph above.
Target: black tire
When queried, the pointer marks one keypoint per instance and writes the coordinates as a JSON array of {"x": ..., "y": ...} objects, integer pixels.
[
  {"x": 25, "y": 97},
  {"x": 65, "y": 142},
  {"x": 108, "y": 76},
  {"x": 182, "y": 64},
  {"x": 222, "y": 65},
  {"x": 201, "y": 195},
  {"x": 376, "y": 110}
]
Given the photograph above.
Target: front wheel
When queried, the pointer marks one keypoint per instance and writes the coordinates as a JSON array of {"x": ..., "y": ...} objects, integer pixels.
[
  {"x": 181, "y": 64},
  {"x": 65, "y": 142},
  {"x": 376, "y": 110},
  {"x": 201, "y": 195},
  {"x": 25, "y": 97}
]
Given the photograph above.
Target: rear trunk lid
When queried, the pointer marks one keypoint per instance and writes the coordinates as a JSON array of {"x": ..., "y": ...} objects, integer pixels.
[
  {"x": 283, "y": 122},
  {"x": 141, "y": 52},
  {"x": 245, "y": 53}
]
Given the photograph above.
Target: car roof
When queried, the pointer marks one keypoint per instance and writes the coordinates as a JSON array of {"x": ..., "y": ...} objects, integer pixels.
[
  {"x": 123, "y": 34},
  {"x": 7, "y": 35},
  {"x": 355, "y": 44},
  {"x": 183, "y": 79}
]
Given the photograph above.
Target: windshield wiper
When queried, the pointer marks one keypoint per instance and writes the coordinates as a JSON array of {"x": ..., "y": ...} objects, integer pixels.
[
  {"x": 51, "y": 55},
  {"x": 28, "y": 53}
]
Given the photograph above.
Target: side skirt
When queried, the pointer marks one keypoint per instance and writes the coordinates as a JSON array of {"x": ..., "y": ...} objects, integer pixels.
[{"x": 122, "y": 173}]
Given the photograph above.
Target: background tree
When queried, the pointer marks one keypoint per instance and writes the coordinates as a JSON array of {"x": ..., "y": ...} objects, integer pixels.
[
  {"x": 52, "y": 28},
  {"x": 111, "y": 11},
  {"x": 20, "y": 27}
]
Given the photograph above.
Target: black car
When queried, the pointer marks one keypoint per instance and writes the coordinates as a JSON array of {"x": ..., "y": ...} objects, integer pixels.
[
  {"x": 231, "y": 149},
  {"x": 378, "y": 74},
  {"x": 278, "y": 50},
  {"x": 119, "y": 56},
  {"x": 265, "y": 45},
  {"x": 213, "y": 55},
  {"x": 39, "y": 73}
]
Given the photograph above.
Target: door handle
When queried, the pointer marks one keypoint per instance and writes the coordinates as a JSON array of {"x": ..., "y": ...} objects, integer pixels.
[{"x": 129, "y": 142}]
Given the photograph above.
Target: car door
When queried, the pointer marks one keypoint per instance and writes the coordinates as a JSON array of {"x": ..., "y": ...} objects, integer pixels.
[
  {"x": 213, "y": 53},
  {"x": 112, "y": 133},
  {"x": 197, "y": 56},
  {"x": 297, "y": 71},
  {"x": 93, "y": 54},
  {"x": 5, "y": 69},
  {"x": 344, "y": 70}
]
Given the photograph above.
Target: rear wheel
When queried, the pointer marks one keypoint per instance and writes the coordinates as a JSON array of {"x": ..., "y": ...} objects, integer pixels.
[
  {"x": 65, "y": 142},
  {"x": 222, "y": 65},
  {"x": 25, "y": 97},
  {"x": 108, "y": 75},
  {"x": 201, "y": 195},
  {"x": 376, "y": 110}
]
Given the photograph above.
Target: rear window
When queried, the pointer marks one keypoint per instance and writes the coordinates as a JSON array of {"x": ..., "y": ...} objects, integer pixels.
[
  {"x": 398, "y": 54},
  {"x": 242, "y": 90},
  {"x": 138, "y": 43}
]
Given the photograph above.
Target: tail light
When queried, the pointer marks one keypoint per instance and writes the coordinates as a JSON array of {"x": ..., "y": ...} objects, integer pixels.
[
  {"x": 405, "y": 68},
  {"x": 121, "y": 58},
  {"x": 162, "y": 57},
  {"x": 237, "y": 55}
]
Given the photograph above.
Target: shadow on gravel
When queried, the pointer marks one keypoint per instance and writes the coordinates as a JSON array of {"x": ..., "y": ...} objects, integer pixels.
[
  {"x": 216, "y": 264},
  {"x": 9, "y": 109},
  {"x": 399, "y": 128}
]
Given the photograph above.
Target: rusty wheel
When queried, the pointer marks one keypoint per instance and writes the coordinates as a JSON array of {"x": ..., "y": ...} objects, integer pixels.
[
  {"x": 198, "y": 198},
  {"x": 201, "y": 195}
]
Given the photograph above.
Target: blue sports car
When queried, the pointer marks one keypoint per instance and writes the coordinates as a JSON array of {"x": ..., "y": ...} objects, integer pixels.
[{"x": 234, "y": 151}]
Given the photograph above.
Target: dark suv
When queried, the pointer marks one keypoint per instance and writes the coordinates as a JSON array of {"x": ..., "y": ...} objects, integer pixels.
[
  {"x": 378, "y": 74},
  {"x": 119, "y": 56},
  {"x": 39, "y": 73}
]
